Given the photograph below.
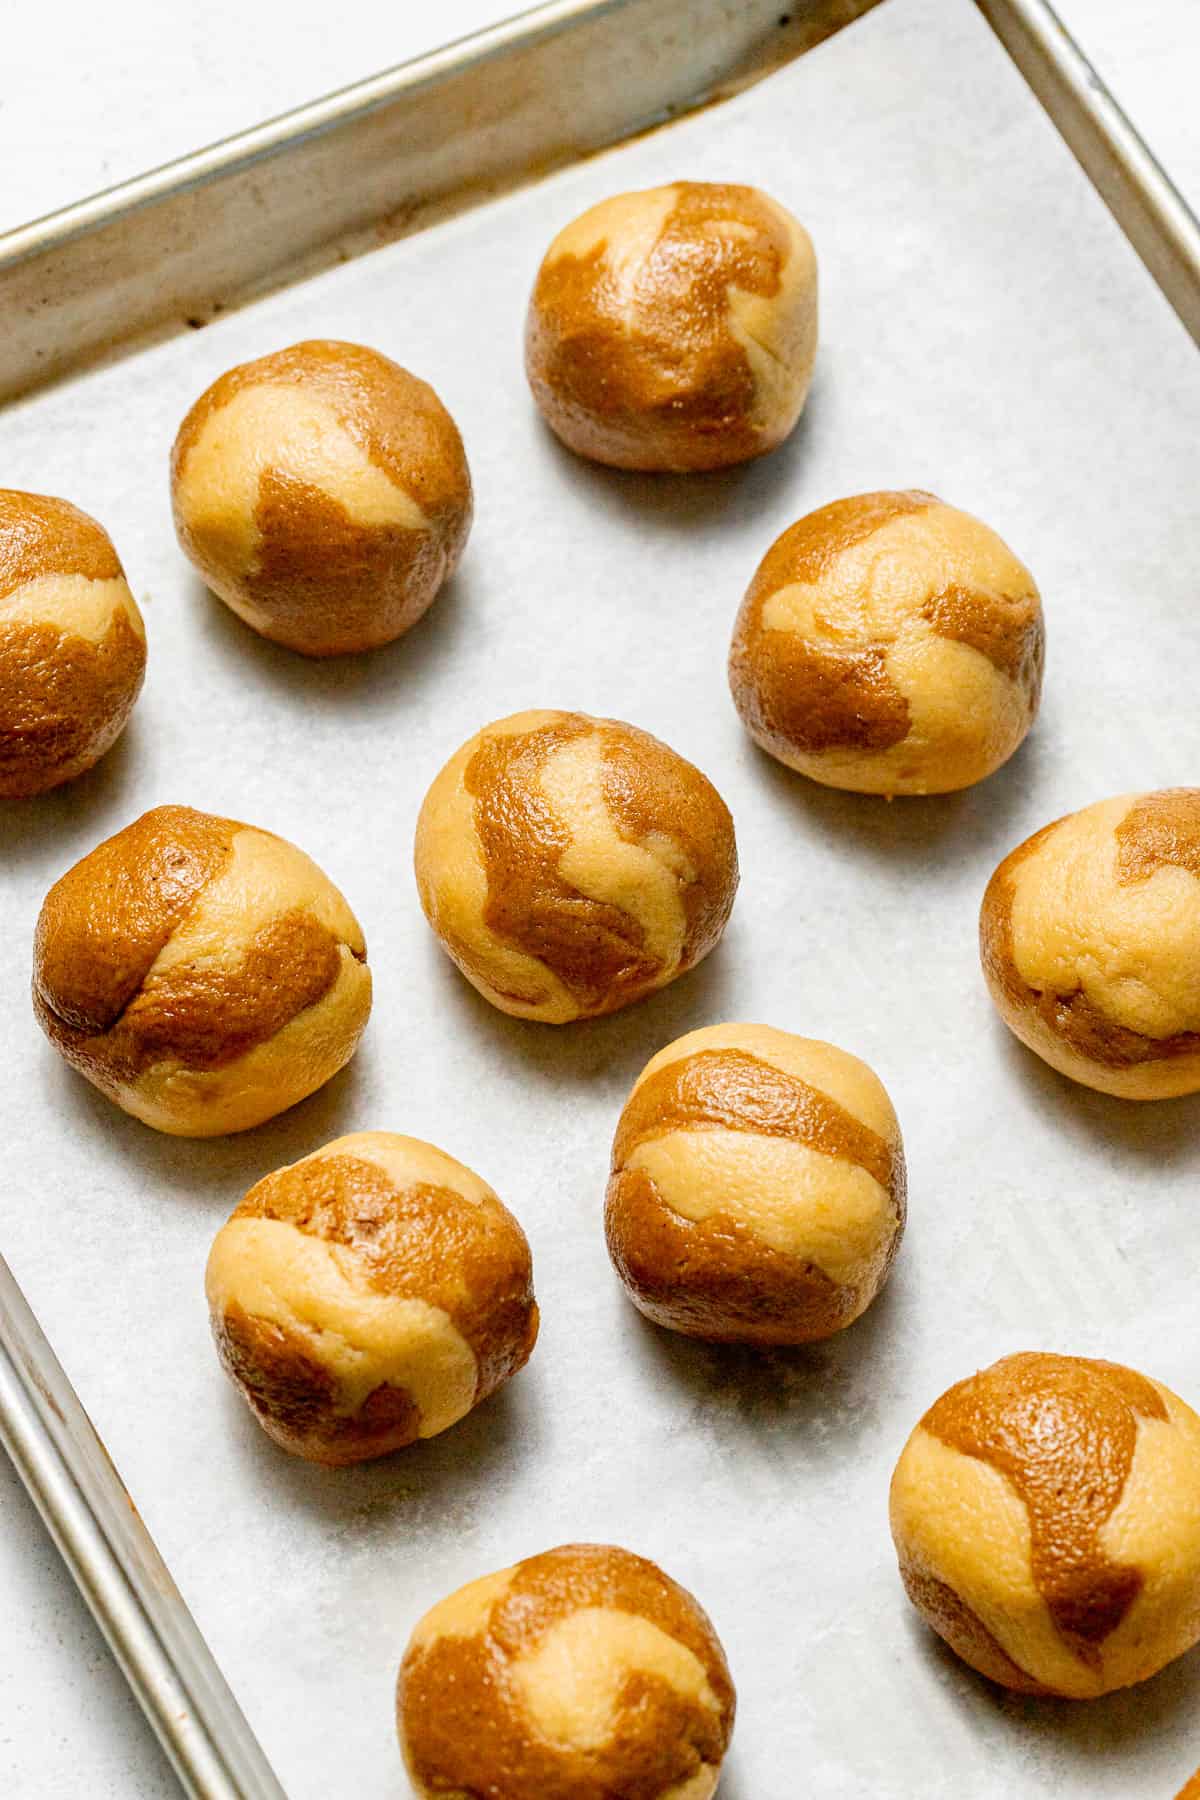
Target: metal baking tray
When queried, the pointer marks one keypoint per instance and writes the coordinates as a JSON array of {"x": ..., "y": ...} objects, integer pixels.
[
  {"x": 388, "y": 156},
  {"x": 988, "y": 333}
]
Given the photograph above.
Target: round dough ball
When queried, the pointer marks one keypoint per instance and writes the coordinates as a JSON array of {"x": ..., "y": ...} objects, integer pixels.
[
  {"x": 368, "y": 1296},
  {"x": 1090, "y": 940},
  {"x": 675, "y": 328},
  {"x": 757, "y": 1192},
  {"x": 1045, "y": 1517},
  {"x": 582, "y": 1673},
  {"x": 203, "y": 974},
  {"x": 323, "y": 493},
  {"x": 889, "y": 644},
  {"x": 72, "y": 644},
  {"x": 571, "y": 865}
]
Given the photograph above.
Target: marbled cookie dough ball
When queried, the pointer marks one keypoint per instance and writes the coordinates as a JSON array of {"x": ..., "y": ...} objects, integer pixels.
[
  {"x": 72, "y": 644},
  {"x": 323, "y": 493},
  {"x": 1090, "y": 939},
  {"x": 757, "y": 1192},
  {"x": 1046, "y": 1514},
  {"x": 571, "y": 865},
  {"x": 675, "y": 328},
  {"x": 370, "y": 1295},
  {"x": 203, "y": 974},
  {"x": 889, "y": 644},
  {"x": 580, "y": 1674}
]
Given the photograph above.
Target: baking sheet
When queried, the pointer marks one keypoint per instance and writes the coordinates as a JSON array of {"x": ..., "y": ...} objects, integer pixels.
[{"x": 986, "y": 333}]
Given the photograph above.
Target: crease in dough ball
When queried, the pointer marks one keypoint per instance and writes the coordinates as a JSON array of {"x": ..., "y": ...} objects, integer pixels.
[
  {"x": 369, "y": 1295},
  {"x": 203, "y": 974},
  {"x": 571, "y": 865},
  {"x": 323, "y": 494},
  {"x": 582, "y": 1673},
  {"x": 72, "y": 644},
  {"x": 758, "y": 1190},
  {"x": 675, "y": 328},
  {"x": 889, "y": 644},
  {"x": 1089, "y": 936},
  {"x": 1046, "y": 1514}
]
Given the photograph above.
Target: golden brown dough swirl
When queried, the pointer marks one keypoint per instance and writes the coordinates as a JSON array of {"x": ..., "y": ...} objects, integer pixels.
[
  {"x": 1090, "y": 939},
  {"x": 202, "y": 973},
  {"x": 369, "y": 1295},
  {"x": 571, "y": 865},
  {"x": 675, "y": 328},
  {"x": 72, "y": 644},
  {"x": 758, "y": 1188},
  {"x": 1045, "y": 1517},
  {"x": 323, "y": 493},
  {"x": 889, "y": 644},
  {"x": 579, "y": 1674}
]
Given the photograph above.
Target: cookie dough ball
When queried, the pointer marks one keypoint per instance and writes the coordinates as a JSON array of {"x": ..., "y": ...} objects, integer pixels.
[
  {"x": 203, "y": 974},
  {"x": 72, "y": 644},
  {"x": 889, "y": 644},
  {"x": 323, "y": 494},
  {"x": 1090, "y": 940},
  {"x": 1045, "y": 1515},
  {"x": 675, "y": 328},
  {"x": 571, "y": 865},
  {"x": 579, "y": 1674},
  {"x": 757, "y": 1192},
  {"x": 370, "y": 1295}
]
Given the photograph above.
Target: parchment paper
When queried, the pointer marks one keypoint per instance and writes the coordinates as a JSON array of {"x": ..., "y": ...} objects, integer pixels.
[{"x": 986, "y": 333}]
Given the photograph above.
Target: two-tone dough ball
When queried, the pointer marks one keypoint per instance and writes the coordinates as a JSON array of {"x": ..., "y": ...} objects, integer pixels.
[
  {"x": 323, "y": 494},
  {"x": 1090, "y": 940},
  {"x": 757, "y": 1192},
  {"x": 579, "y": 1674},
  {"x": 675, "y": 328},
  {"x": 571, "y": 865},
  {"x": 203, "y": 974},
  {"x": 1046, "y": 1514},
  {"x": 368, "y": 1296},
  {"x": 889, "y": 644},
  {"x": 72, "y": 644}
]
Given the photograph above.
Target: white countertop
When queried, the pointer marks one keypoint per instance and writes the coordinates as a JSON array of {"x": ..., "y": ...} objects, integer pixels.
[{"x": 124, "y": 96}]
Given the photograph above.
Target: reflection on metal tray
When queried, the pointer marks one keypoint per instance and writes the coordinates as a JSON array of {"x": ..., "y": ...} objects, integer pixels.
[{"x": 389, "y": 155}]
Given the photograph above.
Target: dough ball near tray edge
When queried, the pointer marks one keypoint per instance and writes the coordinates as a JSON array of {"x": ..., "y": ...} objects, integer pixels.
[
  {"x": 203, "y": 974},
  {"x": 585, "y": 1671},
  {"x": 1089, "y": 936},
  {"x": 675, "y": 328},
  {"x": 72, "y": 644},
  {"x": 369, "y": 1295},
  {"x": 1045, "y": 1516},
  {"x": 889, "y": 644},
  {"x": 323, "y": 494},
  {"x": 571, "y": 865},
  {"x": 758, "y": 1190}
]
